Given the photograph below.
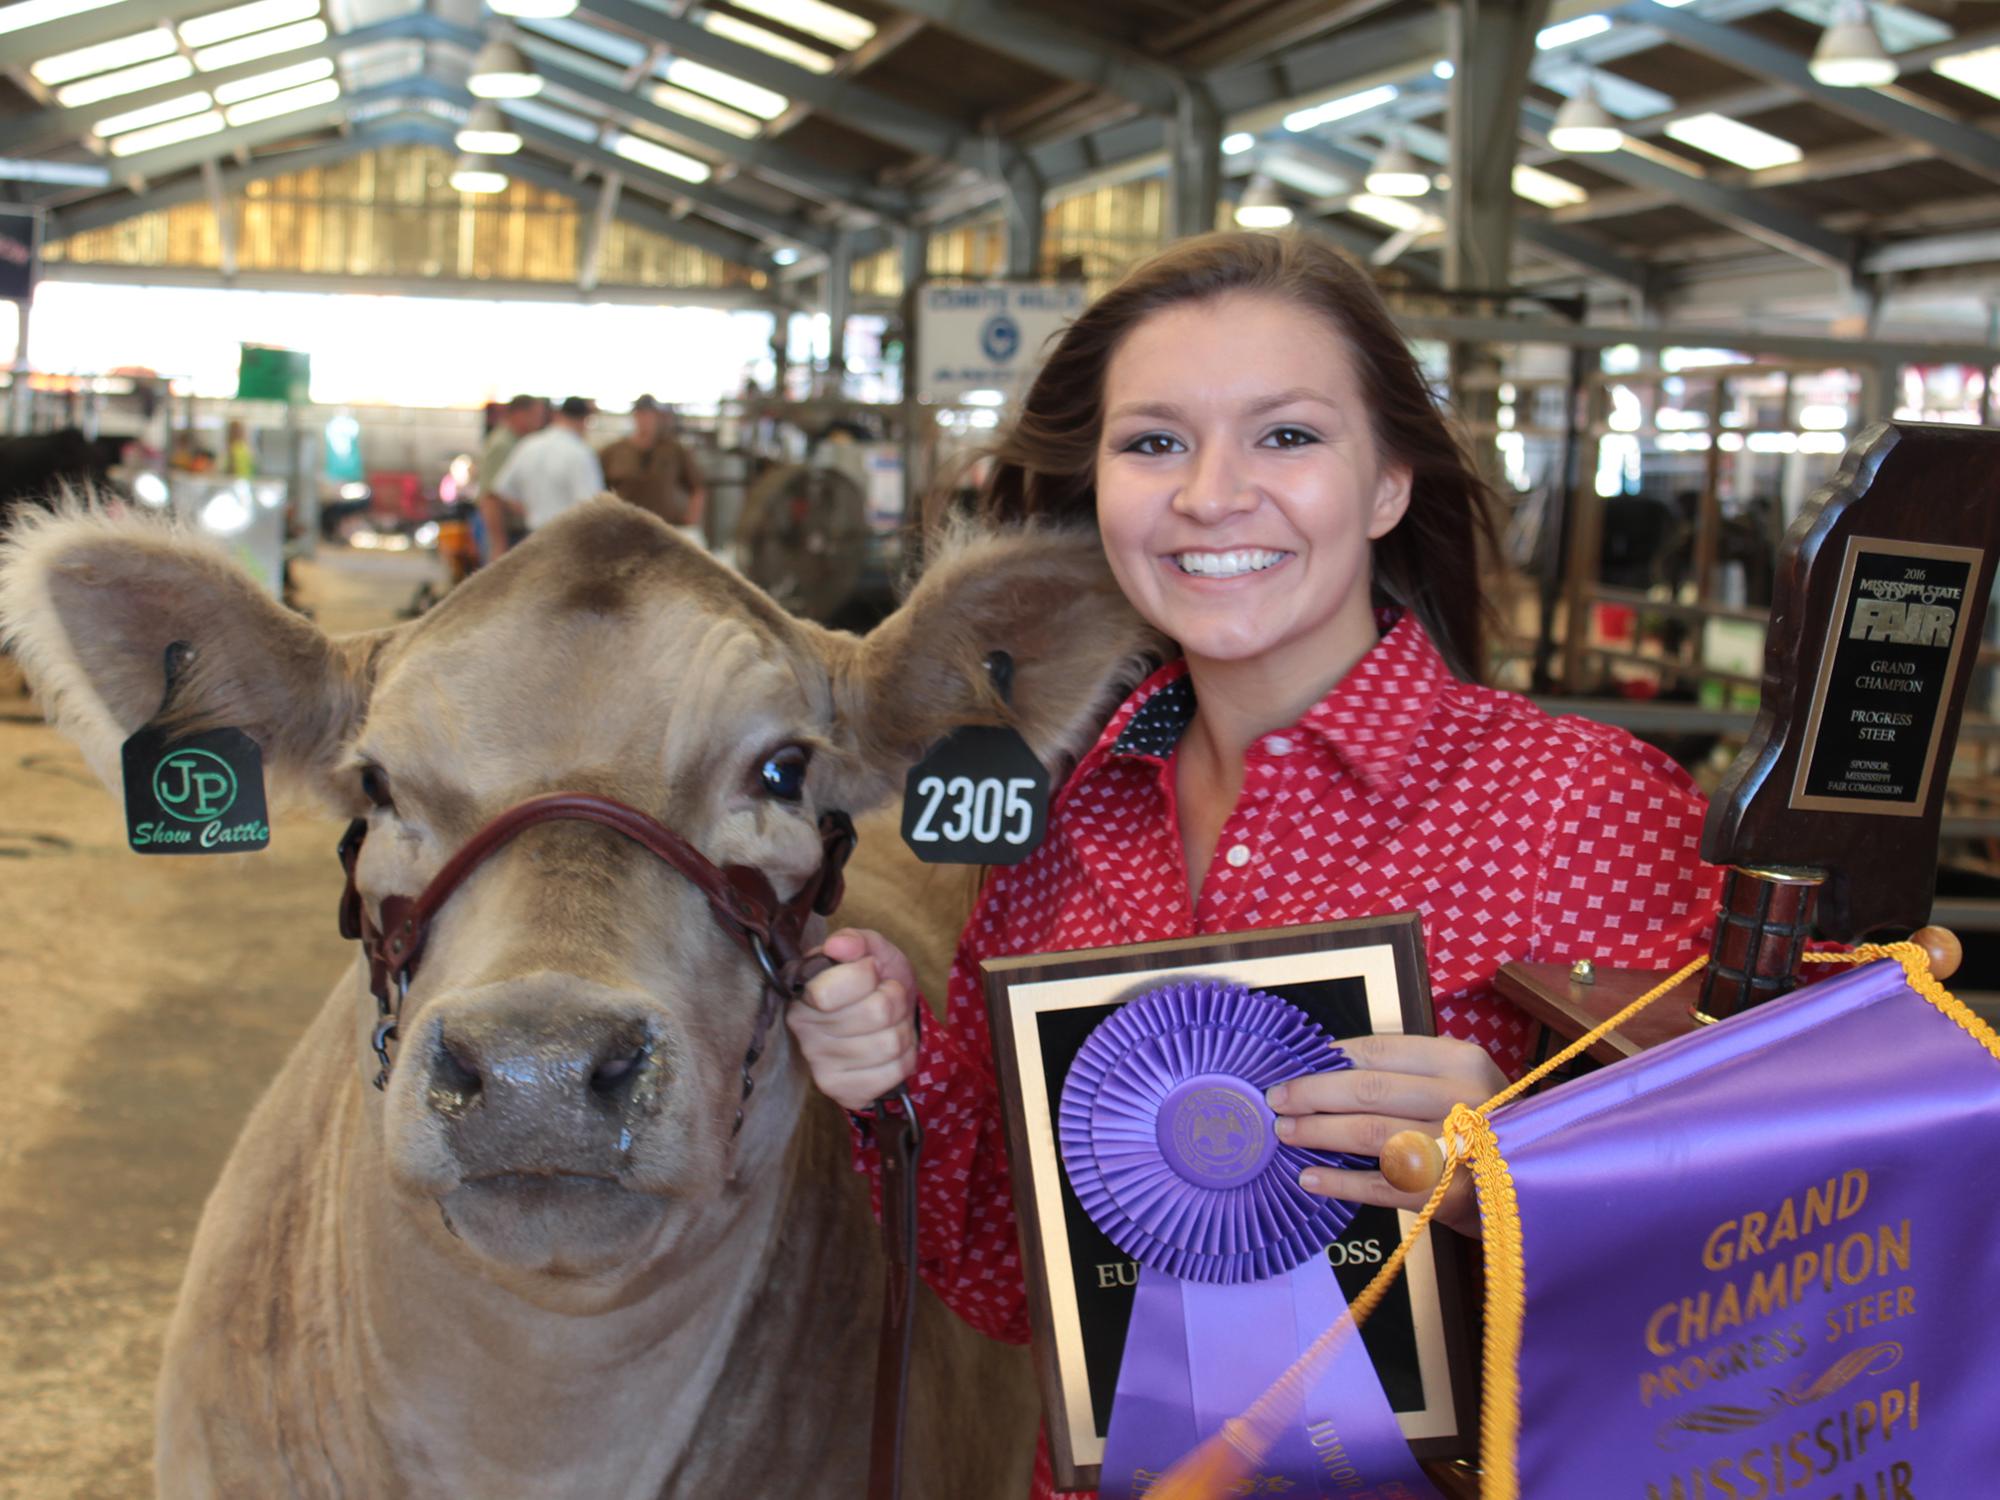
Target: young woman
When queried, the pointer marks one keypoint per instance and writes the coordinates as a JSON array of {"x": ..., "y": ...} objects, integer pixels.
[{"x": 1279, "y": 495}]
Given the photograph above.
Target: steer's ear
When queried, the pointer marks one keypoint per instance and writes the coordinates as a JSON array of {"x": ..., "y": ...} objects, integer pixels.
[
  {"x": 90, "y": 603},
  {"x": 1046, "y": 597}
]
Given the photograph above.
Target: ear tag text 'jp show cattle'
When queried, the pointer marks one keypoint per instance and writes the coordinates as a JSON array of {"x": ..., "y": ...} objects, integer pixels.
[
  {"x": 980, "y": 797},
  {"x": 193, "y": 793}
]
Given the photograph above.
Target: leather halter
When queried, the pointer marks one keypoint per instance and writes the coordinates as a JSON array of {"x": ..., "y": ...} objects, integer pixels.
[{"x": 740, "y": 898}]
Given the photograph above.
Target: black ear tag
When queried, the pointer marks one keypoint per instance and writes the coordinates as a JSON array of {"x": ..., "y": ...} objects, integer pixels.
[
  {"x": 196, "y": 794},
  {"x": 980, "y": 797}
]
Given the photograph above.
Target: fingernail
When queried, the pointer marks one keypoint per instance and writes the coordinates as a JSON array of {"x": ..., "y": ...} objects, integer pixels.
[
  {"x": 1275, "y": 1096},
  {"x": 1287, "y": 1127},
  {"x": 1309, "y": 1180}
]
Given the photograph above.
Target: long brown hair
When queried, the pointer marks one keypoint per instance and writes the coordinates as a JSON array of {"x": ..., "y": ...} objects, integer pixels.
[{"x": 1044, "y": 465}]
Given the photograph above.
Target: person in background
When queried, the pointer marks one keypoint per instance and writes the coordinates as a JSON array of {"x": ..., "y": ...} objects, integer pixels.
[
  {"x": 517, "y": 419},
  {"x": 653, "y": 470},
  {"x": 547, "y": 473},
  {"x": 242, "y": 457}
]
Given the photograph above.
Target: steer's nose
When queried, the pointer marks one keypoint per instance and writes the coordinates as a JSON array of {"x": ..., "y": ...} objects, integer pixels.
[{"x": 534, "y": 1088}]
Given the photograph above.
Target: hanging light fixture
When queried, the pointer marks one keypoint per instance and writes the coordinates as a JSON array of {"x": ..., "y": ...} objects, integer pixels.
[
  {"x": 475, "y": 174},
  {"x": 1262, "y": 206},
  {"x": 487, "y": 133},
  {"x": 533, "y": 10},
  {"x": 1582, "y": 126},
  {"x": 502, "y": 71},
  {"x": 1849, "y": 54},
  {"x": 1398, "y": 174}
]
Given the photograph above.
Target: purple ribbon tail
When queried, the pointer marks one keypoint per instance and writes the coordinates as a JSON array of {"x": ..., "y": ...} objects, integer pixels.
[{"x": 1198, "y": 1354}]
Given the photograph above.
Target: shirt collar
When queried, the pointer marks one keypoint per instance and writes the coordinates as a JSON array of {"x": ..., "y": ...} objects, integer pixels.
[{"x": 1370, "y": 718}]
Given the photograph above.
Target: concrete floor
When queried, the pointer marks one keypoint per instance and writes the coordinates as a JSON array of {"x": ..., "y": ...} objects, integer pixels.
[{"x": 144, "y": 1002}]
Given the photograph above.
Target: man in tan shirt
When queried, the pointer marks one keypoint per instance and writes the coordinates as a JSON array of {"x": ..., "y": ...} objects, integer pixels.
[{"x": 654, "y": 471}]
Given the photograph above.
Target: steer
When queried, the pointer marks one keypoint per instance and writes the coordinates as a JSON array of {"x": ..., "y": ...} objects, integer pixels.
[{"x": 541, "y": 1261}]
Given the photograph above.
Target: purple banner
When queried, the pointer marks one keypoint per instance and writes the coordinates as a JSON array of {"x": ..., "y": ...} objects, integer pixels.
[
  {"x": 1801, "y": 1302},
  {"x": 1173, "y": 1152}
]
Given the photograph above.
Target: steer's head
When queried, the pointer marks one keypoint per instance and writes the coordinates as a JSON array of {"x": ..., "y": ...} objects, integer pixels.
[{"x": 571, "y": 1049}]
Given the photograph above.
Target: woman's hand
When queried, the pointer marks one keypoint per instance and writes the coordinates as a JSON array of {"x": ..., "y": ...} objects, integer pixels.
[
  {"x": 856, "y": 1026},
  {"x": 1396, "y": 1083}
]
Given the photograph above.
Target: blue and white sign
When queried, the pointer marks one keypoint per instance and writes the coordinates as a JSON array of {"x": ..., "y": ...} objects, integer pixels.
[{"x": 989, "y": 336}]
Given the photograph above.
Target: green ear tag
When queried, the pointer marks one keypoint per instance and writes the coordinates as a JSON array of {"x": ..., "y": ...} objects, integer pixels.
[{"x": 196, "y": 793}]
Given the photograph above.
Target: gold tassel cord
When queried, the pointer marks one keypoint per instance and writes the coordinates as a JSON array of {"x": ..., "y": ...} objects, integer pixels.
[{"x": 1235, "y": 1453}]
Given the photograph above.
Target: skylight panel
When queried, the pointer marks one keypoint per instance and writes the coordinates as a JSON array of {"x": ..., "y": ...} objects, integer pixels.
[
  {"x": 739, "y": 93},
  {"x": 1397, "y": 213},
  {"x": 697, "y": 107},
  {"x": 1546, "y": 188},
  {"x": 769, "y": 42},
  {"x": 559, "y": 120},
  {"x": 619, "y": 49},
  {"x": 1564, "y": 33},
  {"x": 262, "y": 44},
  {"x": 1978, "y": 69},
  {"x": 241, "y": 20},
  {"x": 152, "y": 114},
  {"x": 194, "y": 127},
  {"x": 660, "y": 158},
  {"x": 1339, "y": 109},
  {"x": 101, "y": 56},
  {"x": 35, "y": 12},
  {"x": 1733, "y": 141},
  {"x": 125, "y": 81},
  {"x": 829, "y": 23},
  {"x": 285, "y": 102},
  {"x": 271, "y": 82}
]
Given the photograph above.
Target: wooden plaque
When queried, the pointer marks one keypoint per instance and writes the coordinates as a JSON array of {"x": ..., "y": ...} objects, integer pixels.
[{"x": 1354, "y": 978}]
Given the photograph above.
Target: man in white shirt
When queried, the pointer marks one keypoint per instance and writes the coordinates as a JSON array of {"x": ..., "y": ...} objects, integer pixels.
[{"x": 547, "y": 473}]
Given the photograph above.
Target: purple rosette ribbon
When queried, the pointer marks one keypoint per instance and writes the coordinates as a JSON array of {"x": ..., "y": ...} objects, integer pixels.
[{"x": 1175, "y": 1155}]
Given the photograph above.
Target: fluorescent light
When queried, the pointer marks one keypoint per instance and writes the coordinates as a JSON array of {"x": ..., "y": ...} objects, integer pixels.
[
  {"x": 121, "y": 53},
  {"x": 695, "y": 107},
  {"x": 660, "y": 158},
  {"x": 152, "y": 114},
  {"x": 486, "y": 133},
  {"x": 1564, "y": 32},
  {"x": 35, "y": 12},
  {"x": 769, "y": 42},
  {"x": 1733, "y": 141},
  {"x": 559, "y": 120},
  {"x": 1979, "y": 69},
  {"x": 1339, "y": 109},
  {"x": 502, "y": 71},
  {"x": 1546, "y": 188},
  {"x": 271, "y": 82},
  {"x": 784, "y": 255},
  {"x": 1443, "y": 68},
  {"x": 984, "y": 398},
  {"x": 241, "y": 20},
  {"x": 1397, "y": 213},
  {"x": 532, "y": 10},
  {"x": 193, "y": 128},
  {"x": 1397, "y": 174},
  {"x": 127, "y": 81},
  {"x": 827, "y": 22},
  {"x": 731, "y": 90},
  {"x": 474, "y": 174},
  {"x": 263, "y": 44},
  {"x": 285, "y": 102},
  {"x": 1237, "y": 144},
  {"x": 1823, "y": 418},
  {"x": 1262, "y": 206}
]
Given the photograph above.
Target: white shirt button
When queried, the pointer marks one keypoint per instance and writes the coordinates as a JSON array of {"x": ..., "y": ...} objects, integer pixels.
[
  {"x": 1238, "y": 856},
  {"x": 1277, "y": 744}
]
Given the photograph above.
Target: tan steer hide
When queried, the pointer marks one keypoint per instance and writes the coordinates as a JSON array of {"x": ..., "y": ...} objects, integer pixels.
[{"x": 539, "y": 1264}]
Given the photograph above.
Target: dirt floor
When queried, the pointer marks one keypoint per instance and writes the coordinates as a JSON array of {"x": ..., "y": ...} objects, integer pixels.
[{"x": 144, "y": 1002}]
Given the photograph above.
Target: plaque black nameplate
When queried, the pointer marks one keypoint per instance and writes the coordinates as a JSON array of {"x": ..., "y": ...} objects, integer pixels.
[{"x": 1872, "y": 735}]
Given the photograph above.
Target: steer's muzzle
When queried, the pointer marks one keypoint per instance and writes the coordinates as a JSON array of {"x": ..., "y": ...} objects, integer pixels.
[{"x": 537, "y": 1085}]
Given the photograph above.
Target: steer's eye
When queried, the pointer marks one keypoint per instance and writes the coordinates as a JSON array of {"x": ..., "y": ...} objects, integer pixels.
[
  {"x": 783, "y": 773},
  {"x": 375, "y": 786}
]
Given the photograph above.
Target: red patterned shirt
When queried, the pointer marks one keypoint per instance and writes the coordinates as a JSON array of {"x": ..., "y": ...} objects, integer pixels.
[{"x": 1517, "y": 836}]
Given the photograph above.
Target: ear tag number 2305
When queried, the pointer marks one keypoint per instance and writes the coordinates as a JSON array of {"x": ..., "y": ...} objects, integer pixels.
[
  {"x": 195, "y": 793},
  {"x": 980, "y": 797}
]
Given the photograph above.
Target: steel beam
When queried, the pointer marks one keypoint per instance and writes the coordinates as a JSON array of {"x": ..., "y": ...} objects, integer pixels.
[
  {"x": 1023, "y": 200},
  {"x": 1062, "y": 51},
  {"x": 746, "y": 218},
  {"x": 1493, "y": 41},
  {"x": 590, "y": 253},
  {"x": 786, "y": 167},
  {"x": 643, "y": 213},
  {"x": 838, "y": 297},
  {"x": 1962, "y": 145},
  {"x": 1747, "y": 213},
  {"x": 1194, "y": 176}
]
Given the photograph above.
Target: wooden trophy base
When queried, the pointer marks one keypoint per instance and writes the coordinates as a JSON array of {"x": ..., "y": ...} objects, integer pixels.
[{"x": 1566, "y": 1007}]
